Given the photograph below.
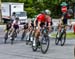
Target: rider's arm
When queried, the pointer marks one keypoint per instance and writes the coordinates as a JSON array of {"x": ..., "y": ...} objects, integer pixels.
[
  {"x": 49, "y": 21},
  {"x": 49, "y": 24},
  {"x": 29, "y": 24},
  {"x": 61, "y": 19},
  {"x": 39, "y": 25},
  {"x": 35, "y": 22}
]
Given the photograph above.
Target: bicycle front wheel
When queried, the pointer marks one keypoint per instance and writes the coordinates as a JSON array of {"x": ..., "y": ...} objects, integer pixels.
[
  {"x": 63, "y": 38},
  {"x": 44, "y": 44},
  {"x": 57, "y": 39}
]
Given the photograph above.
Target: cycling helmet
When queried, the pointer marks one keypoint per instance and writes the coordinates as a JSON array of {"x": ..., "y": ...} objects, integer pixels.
[
  {"x": 48, "y": 12},
  {"x": 14, "y": 13}
]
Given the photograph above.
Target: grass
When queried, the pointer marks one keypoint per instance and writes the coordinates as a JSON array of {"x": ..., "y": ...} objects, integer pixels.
[
  {"x": 69, "y": 35},
  {"x": 1, "y": 23}
]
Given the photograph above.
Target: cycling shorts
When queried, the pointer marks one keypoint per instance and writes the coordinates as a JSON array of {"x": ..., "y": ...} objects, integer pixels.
[
  {"x": 15, "y": 26},
  {"x": 26, "y": 26}
]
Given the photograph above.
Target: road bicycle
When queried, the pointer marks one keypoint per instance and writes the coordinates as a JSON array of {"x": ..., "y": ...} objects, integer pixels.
[
  {"x": 61, "y": 36},
  {"x": 43, "y": 41}
]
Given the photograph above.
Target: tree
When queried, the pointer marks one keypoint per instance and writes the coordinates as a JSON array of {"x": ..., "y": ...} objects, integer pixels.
[{"x": 39, "y": 5}]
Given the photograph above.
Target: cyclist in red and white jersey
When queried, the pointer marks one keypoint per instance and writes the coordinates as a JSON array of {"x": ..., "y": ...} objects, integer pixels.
[{"x": 41, "y": 20}]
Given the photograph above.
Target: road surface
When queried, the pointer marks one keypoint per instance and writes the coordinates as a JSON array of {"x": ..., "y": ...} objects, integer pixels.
[{"x": 19, "y": 50}]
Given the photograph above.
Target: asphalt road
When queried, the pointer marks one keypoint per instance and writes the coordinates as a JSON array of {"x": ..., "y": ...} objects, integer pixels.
[{"x": 19, "y": 50}]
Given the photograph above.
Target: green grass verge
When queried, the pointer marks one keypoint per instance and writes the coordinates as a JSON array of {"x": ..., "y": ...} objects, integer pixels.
[
  {"x": 69, "y": 35},
  {"x": 1, "y": 23}
]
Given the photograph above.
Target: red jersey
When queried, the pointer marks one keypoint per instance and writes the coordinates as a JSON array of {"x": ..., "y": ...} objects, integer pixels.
[
  {"x": 48, "y": 19},
  {"x": 41, "y": 18}
]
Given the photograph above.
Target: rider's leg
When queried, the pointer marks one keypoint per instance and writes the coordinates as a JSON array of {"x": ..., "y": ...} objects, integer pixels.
[
  {"x": 59, "y": 29},
  {"x": 37, "y": 33}
]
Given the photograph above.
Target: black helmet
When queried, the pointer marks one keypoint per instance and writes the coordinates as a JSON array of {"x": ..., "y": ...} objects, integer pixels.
[{"x": 14, "y": 13}]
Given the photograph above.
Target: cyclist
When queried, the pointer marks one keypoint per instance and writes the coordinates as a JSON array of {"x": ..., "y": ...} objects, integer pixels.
[
  {"x": 63, "y": 21},
  {"x": 26, "y": 29},
  {"x": 15, "y": 24},
  {"x": 9, "y": 24},
  {"x": 42, "y": 19}
]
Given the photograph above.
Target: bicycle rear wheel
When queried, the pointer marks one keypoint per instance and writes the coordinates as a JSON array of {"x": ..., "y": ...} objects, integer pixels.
[{"x": 44, "y": 44}]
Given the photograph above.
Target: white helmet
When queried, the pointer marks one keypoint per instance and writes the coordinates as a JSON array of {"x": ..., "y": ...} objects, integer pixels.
[{"x": 48, "y": 12}]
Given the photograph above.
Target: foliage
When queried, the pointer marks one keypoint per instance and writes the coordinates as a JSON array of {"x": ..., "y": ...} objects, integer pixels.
[
  {"x": 35, "y": 6},
  {"x": 30, "y": 11}
]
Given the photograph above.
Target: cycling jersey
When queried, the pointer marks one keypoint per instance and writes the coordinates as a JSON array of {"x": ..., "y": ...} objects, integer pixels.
[
  {"x": 26, "y": 26},
  {"x": 41, "y": 18},
  {"x": 64, "y": 21},
  {"x": 15, "y": 24},
  {"x": 48, "y": 20}
]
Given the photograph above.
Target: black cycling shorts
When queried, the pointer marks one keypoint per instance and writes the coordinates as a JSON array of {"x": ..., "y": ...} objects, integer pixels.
[
  {"x": 16, "y": 26},
  {"x": 42, "y": 24}
]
